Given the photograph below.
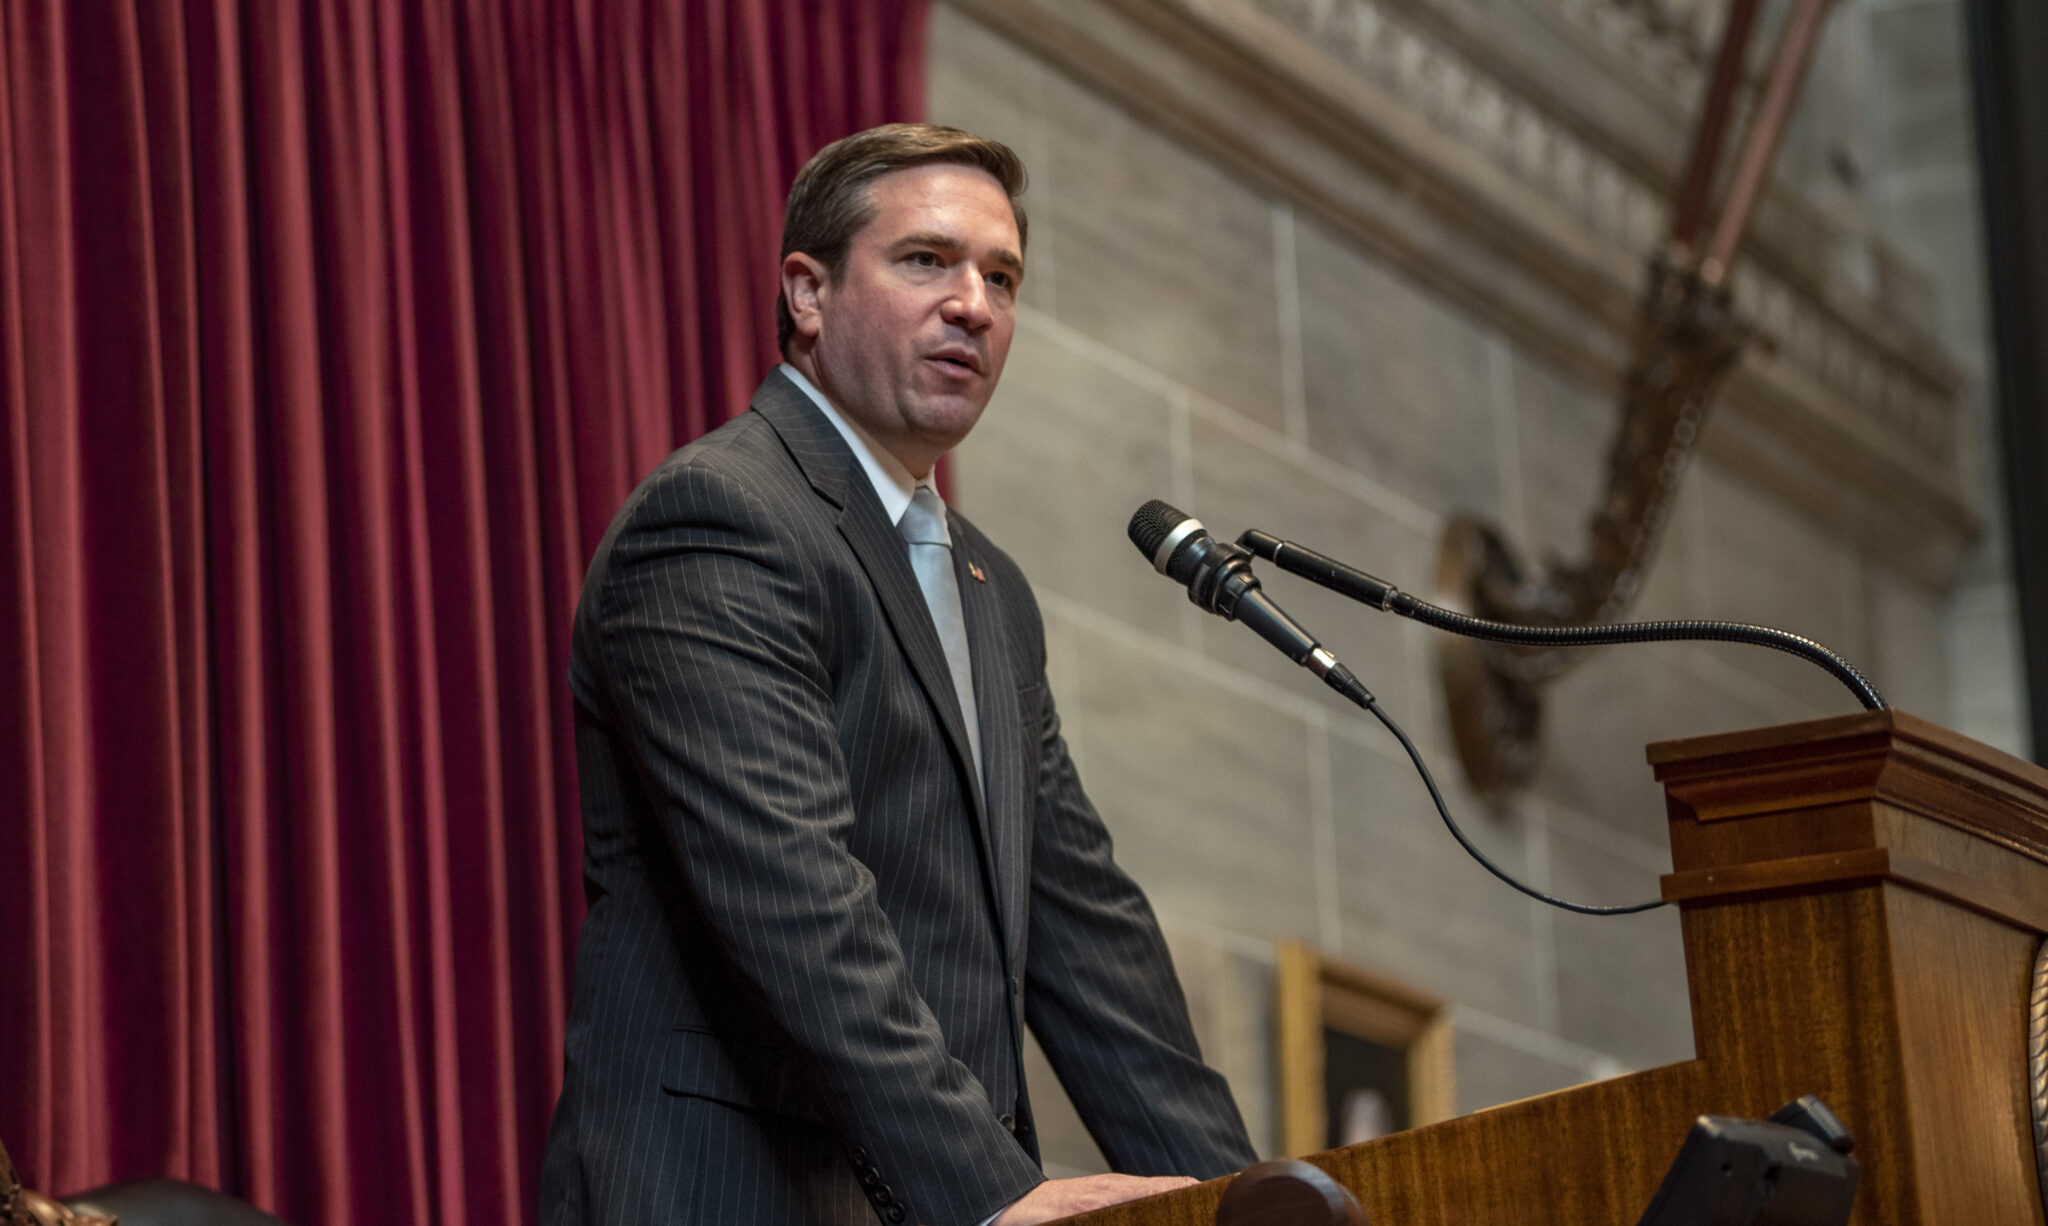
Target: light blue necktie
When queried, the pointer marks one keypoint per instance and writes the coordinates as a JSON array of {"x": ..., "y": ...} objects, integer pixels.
[{"x": 931, "y": 555}]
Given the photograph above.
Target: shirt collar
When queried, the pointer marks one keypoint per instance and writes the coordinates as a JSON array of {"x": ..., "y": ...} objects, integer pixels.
[{"x": 892, "y": 481}]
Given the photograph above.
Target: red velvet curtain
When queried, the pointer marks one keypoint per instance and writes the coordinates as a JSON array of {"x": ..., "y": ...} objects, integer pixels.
[{"x": 331, "y": 335}]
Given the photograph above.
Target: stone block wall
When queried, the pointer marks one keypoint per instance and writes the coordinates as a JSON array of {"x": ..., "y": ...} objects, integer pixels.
[{"x": 1192, "y": 333}]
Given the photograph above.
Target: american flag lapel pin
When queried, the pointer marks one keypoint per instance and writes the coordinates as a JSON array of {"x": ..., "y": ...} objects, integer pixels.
[{"x": 980, "y": 575}]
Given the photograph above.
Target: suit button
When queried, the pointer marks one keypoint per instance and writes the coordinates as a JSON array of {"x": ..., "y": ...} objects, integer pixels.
[
  {"x": 895, "y": 1213},
  {"x": 859, "y": 1155},
  {"x": 884, "y": 1197},
  {"x": 1009, "y": 1122},
  {"x": 870, "y": 1178}
]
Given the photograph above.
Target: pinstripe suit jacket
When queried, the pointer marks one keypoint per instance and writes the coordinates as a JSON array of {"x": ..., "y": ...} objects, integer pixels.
[{"x": 813, "y": 942}]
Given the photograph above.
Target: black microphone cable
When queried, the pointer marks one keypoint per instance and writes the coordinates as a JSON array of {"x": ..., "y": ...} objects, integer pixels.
[
  {"x": 1181, "y": 549},
  {"x": 1443, "y": 811}
]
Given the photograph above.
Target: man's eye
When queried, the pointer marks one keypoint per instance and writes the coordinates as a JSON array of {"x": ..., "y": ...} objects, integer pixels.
[
  {"x": 924, "y": 259},
  {"x": 1003, "y": 280}
]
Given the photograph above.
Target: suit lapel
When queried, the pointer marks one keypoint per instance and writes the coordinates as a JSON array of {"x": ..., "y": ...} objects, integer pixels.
[
  {"x": 881, "y": 552},
  {"x": 1009, "y": 794},
  {"x": 834, "y": 472}
]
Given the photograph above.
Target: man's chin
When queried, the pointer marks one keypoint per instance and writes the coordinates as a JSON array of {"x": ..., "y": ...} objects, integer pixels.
[{"x": 947, "y": 419}]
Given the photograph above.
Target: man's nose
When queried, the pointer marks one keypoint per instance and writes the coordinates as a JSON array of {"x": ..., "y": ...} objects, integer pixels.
[{"x": 968, "y": 305}]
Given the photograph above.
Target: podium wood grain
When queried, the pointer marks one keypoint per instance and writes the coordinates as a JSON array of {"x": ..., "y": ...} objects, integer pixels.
[{"x": 1861, "y": 902}]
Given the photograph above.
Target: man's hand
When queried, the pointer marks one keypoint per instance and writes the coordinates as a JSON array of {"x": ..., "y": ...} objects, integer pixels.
[{"x": 1058, "y": 1198}]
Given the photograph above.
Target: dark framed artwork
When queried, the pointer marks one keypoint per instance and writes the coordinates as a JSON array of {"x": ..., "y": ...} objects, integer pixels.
[{"x": 1361, "y": 1054}]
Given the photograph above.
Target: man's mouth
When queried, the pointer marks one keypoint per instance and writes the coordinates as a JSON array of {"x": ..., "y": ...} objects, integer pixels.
[{"x": 959, "y": 361}]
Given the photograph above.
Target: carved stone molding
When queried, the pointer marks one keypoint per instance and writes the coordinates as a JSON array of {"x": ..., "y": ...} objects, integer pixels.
[
  {"x": 1911, "y": 391},
  {"x": 1674, "y": 39},
  {"x": 1410, "y": 132}
]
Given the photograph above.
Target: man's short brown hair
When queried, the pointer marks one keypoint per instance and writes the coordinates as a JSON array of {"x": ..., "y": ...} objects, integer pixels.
[{"x": 830, "y": 201}]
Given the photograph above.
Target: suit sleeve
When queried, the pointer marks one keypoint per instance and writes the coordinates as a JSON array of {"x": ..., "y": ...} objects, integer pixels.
[
  {"x": 716, "y": 665},
  {"x": 1105, "y": 1004}
]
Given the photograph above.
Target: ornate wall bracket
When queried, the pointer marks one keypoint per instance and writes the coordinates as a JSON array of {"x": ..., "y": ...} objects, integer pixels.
[
  {"x": 1688, "y": 339},
  {"x": 1688, "y": 336}
]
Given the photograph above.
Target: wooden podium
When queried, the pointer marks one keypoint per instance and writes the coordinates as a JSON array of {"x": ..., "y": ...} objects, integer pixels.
[{"x": 1862, "y": 901}]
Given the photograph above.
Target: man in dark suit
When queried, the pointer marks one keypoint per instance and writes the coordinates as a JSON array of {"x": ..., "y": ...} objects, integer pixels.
[{"x": 836, "y": 854}]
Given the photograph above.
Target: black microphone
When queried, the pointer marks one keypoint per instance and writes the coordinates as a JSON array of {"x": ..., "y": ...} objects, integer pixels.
[{"x": 1219, "y": 579}]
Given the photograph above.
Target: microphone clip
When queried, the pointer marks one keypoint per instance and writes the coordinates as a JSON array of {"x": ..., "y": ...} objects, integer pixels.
[{"x": 1221, "y": 574}]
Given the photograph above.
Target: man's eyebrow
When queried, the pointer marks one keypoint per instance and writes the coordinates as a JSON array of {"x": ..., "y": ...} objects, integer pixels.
[{"x": 951, "y": 242}]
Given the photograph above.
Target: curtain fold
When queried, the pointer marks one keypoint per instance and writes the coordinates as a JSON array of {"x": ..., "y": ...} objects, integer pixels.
[{"x": 331, "y": 336}]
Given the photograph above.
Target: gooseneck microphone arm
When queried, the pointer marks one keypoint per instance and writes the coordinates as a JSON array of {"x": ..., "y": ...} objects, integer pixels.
[
  {"x": 1219, "y": 579},
  {"x": 1367, "y": 589}
]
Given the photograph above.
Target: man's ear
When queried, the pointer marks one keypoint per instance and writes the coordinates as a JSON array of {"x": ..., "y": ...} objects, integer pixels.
[{"x": 805, "y": 286}]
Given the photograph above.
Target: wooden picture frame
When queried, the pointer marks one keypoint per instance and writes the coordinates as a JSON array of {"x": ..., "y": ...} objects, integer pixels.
[{"x": 1316, "y": 995}]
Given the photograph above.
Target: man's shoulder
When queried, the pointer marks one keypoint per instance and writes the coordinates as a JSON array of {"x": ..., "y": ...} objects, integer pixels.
[
  {"x": 742, "y": 461},
  {"x": 735, "y": 481},
  {"x": 780, "y": 441},
  {"x": 733, "y": 495},
  {"x": 730, "y": 482},
  {"x": 740, "y": 444}
]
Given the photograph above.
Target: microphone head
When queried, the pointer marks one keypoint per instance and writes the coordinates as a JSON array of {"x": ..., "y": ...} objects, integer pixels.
[
  {"x": 1151, "y": 523},
  {"x": 1167, "y": 536}
]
